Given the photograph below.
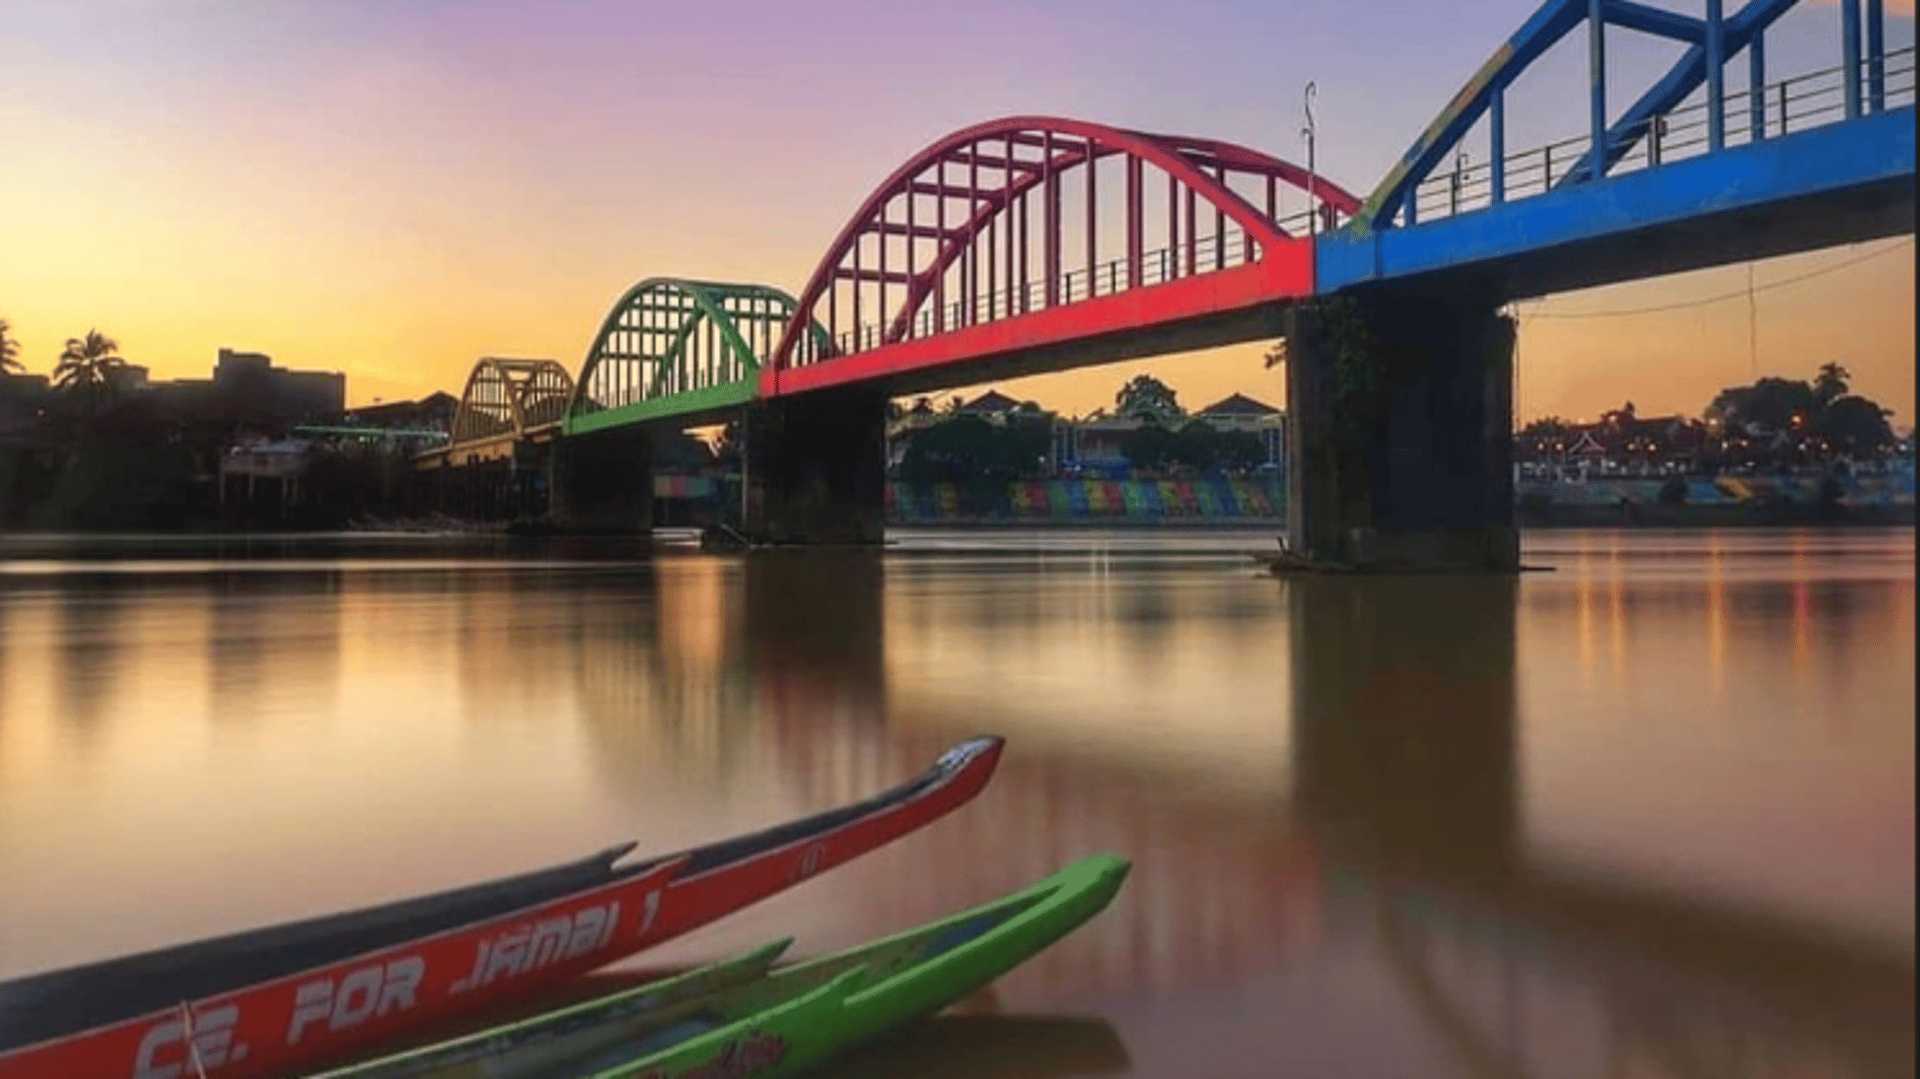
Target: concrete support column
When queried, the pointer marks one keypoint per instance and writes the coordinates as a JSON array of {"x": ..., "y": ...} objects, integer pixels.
[
  {"x": 1443, "y": 487},
  {"x": 1316, "y": 520},
  {"x": 816, "y": 468},
  {"x": 603, "y": 482},
  {"x": 1401, "y": 422}
]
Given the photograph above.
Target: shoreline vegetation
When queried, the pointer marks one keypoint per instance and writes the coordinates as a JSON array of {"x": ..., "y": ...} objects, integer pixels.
[
  {"x": 83, "y": 453},
  {"x": 1698, "y": 518},
  {"x": 168, "y": 489}
]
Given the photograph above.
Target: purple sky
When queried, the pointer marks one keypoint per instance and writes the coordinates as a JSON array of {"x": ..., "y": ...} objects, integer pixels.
[{"x": 394, "y": 189}]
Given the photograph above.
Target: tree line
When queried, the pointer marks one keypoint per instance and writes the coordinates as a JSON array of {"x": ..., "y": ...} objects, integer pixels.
[
  {"x": 96, "y": 458},
  {"x": 86, "y": 365},
  {"x": 1822, "y": 412},
  {"x": 966, "y": 448}
]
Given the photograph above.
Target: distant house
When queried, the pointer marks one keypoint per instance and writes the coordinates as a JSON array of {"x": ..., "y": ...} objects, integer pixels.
[
  {"x": 1238, "y": 408},
  {"x": 1622, "y": 439},
  {"x": 433, "y": 412},
  {"x": 1238, "y": 412},
  {"x": 1094, "y": 442},
  {"x": 1585, "y": 446},
  {"x": 992, "y": 405}
]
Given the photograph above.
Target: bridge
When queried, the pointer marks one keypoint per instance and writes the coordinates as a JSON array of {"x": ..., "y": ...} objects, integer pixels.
[{"x": 1034, "y": 244}]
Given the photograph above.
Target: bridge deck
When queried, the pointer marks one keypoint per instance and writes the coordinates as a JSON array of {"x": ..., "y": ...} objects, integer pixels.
[{"x": 1839, "y": 184}]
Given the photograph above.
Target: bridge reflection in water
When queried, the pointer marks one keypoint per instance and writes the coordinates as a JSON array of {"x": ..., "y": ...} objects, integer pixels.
[
  {"x": 1348, "y": 802},
  {"x": 1407, "y": 763},
  {"x": 1393, "y": 841}
]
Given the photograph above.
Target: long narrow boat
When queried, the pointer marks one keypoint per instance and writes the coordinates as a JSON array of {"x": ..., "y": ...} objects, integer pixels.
[
  {"x": 296, "y": 996},
  {"x": 736, "y": 1019}
]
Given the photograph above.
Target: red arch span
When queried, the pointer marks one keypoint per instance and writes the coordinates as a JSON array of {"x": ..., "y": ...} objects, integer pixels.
[{"x": 1184, "y": 159}]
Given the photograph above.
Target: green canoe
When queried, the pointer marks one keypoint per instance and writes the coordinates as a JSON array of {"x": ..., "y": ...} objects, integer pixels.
[{"x": 742, "y": 1017}]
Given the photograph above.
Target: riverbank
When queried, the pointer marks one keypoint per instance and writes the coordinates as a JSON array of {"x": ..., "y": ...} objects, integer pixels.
[
  {"x": 1758, "y": 515},
  {"x": 1147, "y": 506},
  {"x": 1655, "y": 517}
]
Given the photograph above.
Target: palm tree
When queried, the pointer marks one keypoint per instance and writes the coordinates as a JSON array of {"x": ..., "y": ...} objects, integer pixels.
[
  {"x": 9, "y": 350},
  {"x": 88, "y": 364},
  {"x": 1831, "y": 383}
]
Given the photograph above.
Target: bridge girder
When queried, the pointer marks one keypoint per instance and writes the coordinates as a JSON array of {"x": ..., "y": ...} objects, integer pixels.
[
  {"x": 508, "y": 397},
  {"x": 992, "y": 169},
  {"x": 1483, "y": 92},
  {"x": 670, "y": 339}
]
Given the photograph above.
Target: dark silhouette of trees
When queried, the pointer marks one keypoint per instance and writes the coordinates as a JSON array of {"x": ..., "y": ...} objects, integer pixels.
[
  {"x": 1824, "y": 408},
  {"x": 1146, "y": 397},
  {"x": 87, "y": 365},
  {"x": 1621, "y": 416},
  {"x": 1855, "y": 424},
  {"x": 970, "y": 449},
  {"x": 9, "y": 349},
  {"x": 1152, "y": 448},
  {"x": 1830, "y": 383},
  {"x": 1231, "y": 451},
  {"x": 1770, "y": 404},
  {"x": 1195, "y": 447},
  {"x": 979, "y": 457}
]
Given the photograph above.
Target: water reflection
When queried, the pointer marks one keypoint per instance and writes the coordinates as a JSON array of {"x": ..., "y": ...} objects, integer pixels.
[
  {"x": 265, "y": 636},
  {"x": 1404, "y": 716},
  {"x": 813, "y": 643},
  {"x": 89, "y": 636},
  {"x": 1649, "y": 814},
  {"x": 1510, "y": 996},
  {"x": 1009, "y": 1047}
]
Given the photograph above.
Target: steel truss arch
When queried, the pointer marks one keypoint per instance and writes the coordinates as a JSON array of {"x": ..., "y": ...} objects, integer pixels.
[
  {"x": 508, "y": 397},
  {"x": 1028, "y": 155},
  {"x": 671, "y": 345},
  {"x": 1552, "y": 22}
]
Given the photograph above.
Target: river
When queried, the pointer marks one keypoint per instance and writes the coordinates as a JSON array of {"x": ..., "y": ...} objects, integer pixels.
[{"x": 1649, "y": 812}]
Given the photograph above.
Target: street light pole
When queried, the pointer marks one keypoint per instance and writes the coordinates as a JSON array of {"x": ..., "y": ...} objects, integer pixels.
[{"x": 1313, "y": 211}]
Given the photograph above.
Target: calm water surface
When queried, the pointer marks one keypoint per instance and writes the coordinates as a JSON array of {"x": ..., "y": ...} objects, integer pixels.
[{"x": 1649, "y": 814}]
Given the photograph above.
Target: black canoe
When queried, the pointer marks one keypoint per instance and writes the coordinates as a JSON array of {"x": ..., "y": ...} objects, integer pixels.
[{"x": 266, "y": 1000}]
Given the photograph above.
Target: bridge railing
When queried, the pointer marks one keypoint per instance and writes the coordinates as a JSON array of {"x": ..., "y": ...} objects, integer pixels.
[
  {"x": 1220, "y": 251},
  {"x": 1815, "y": 99}
]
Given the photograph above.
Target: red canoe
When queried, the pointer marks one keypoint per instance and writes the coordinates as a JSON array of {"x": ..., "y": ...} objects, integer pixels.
[{"x": 295, "y": 996}]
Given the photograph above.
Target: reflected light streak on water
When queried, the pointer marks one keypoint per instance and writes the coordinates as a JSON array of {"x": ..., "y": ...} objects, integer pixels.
[{"x": 1648, "y": 814}]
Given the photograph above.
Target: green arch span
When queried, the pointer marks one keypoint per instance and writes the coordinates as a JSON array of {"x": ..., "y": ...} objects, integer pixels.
[{"x": 690, "y": 303}]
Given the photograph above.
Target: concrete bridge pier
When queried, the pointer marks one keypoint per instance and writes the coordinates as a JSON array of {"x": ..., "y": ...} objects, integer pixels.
[
  {"x": 1400, "y": 430},
  {"x": 816, "y": 468},
  {"x": 603, "y": 482}
]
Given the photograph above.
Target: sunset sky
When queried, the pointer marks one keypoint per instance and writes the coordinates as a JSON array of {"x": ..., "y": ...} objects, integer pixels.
[{"x": 395, "y": 187}]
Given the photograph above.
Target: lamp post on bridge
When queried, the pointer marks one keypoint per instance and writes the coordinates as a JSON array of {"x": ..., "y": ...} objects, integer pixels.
[{"x": 1313, "y": 215}]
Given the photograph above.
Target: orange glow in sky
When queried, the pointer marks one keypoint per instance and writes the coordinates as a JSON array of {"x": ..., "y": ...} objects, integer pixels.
[{"x": 396, "y": 190}]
